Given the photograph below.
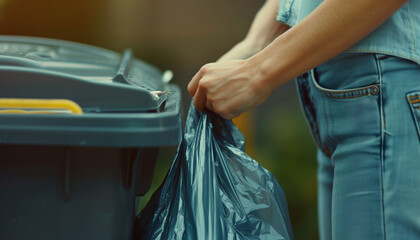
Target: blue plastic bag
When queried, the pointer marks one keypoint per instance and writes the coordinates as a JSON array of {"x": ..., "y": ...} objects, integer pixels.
[{"x": 214, "y": 191}]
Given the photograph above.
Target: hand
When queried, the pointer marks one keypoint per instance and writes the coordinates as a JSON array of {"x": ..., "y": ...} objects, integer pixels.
[{"x": 228, "y": 88}]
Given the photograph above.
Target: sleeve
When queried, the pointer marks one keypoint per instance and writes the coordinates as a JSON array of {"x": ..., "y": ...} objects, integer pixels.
[{"x": 284, "y": 11}]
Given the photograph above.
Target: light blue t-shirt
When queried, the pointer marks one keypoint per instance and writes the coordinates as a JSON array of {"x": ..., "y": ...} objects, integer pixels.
[{"x": 398, "y": 36}]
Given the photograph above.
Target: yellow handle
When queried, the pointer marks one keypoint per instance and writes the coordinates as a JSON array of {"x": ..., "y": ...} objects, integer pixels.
[{"x": 15, "y": 105}]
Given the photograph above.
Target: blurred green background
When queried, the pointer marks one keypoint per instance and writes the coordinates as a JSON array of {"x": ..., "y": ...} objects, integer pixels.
[{"x": 182, "y": 36}]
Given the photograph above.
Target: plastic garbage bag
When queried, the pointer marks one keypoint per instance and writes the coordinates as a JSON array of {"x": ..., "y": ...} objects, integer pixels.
[{"x": 214, "y": 191}]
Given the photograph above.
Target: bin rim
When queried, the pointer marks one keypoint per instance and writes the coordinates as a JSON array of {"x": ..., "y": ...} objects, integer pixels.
[{"x": 158, "y": 128}]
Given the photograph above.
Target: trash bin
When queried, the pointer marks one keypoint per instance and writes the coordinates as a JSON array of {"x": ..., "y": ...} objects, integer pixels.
[{"x": 68, "y": 175}]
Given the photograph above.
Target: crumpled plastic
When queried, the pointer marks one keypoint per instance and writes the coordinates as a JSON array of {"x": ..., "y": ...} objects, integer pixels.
[{"x": 214, "y": 191}]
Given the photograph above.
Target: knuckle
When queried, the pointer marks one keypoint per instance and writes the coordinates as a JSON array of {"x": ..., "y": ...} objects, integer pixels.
[
  {"x": 201, "y": 87},
  {"x": 204, "y": 85},
  {"x": 204, "y": 69}
]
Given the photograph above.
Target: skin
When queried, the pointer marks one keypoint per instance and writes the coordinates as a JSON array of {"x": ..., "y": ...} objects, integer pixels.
[{"x": 273, "y": 56}]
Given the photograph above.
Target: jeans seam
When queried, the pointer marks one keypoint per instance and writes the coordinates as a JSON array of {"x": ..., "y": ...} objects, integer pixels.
[
  {"x": 324, "y": 148},
  {"x": 382, "y": 141},
  {"x": 355, "y": 96},
  {"x": 314, "y": 129},
  {"x": 364, "y": 91},
  {"x": 345, "y": 91}
]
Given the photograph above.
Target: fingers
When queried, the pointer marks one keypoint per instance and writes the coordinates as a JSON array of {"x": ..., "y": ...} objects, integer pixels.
[
  {"x": 209, "y": 105},
  {"x": 193, "y": 85},
  {"x": 200, "y": 99},
  {"x": 198, "y": 92}
]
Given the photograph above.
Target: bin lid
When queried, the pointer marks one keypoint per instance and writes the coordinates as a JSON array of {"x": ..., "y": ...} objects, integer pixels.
[
  {"x": 97, "y": 79},
  {"x": 124, "y": 100}
]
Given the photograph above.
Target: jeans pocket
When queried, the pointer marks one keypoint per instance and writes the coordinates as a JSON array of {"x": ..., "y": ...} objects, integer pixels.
[
  {"x": 352, "y": 93},
  {"x": 414, "y": 102}
]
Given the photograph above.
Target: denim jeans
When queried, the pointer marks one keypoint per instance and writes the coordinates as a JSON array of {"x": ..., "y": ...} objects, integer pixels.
[{"x": 364, "y": 113}]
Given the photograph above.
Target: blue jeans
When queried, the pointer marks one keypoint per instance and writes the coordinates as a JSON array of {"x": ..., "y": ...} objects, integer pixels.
[{"x": 364, "y": 113}]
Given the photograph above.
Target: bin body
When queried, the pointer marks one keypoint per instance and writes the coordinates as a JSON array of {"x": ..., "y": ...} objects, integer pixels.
[{"x": 65, "y": 176}]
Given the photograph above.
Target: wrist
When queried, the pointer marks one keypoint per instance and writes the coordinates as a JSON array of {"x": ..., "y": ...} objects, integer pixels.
[
  {"x": 253, "y": 44},
  {"x": 266, "y": 71},
  {"x": 261, "y": 74},
  {"x": 279, "y": 62},
  {"x": 241, "y": 50}
]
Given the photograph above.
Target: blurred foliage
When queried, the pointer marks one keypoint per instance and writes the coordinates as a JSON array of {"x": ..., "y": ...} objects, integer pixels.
[
  {"x": 286, "y": 149},
  {"x": 183, "y": 35}
]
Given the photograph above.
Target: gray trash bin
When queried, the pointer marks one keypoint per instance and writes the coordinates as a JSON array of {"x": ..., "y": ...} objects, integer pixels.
[{"x": 76, "y": 176}]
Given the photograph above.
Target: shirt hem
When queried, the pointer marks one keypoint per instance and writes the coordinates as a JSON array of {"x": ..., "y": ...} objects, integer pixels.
[{"x": 361, "y": 50}]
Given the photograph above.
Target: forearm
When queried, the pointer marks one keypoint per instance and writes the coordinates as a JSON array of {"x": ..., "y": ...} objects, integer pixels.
[
  {"x": 332, "y": 28},
  {"x": 241, "y": 50},
  {"x": 264, "y": 29}
]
